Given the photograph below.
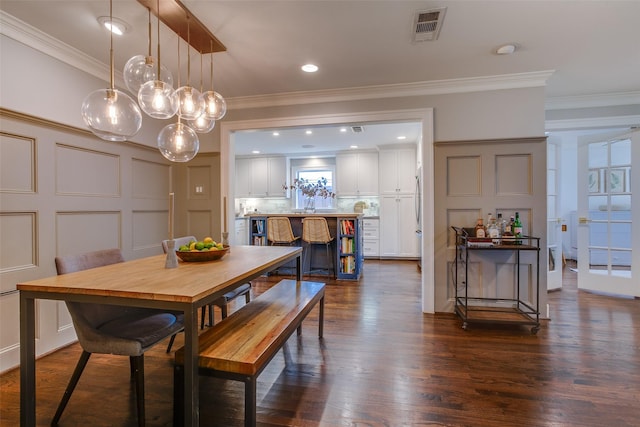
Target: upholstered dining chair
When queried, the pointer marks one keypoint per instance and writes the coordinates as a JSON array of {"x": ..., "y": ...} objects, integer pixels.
[
  {"x": 112, "y": 329},
  {"x": 220, "y": 302}
]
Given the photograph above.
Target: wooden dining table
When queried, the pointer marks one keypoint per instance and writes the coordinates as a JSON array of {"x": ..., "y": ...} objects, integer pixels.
[{"x": 145, "y": 282}]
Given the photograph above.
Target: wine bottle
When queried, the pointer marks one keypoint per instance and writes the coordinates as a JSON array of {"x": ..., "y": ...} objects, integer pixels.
[{"x": 517, "y": 229}]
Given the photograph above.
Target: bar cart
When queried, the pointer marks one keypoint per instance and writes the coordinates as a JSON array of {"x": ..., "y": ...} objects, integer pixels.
[{"x": 495, "y": 310}]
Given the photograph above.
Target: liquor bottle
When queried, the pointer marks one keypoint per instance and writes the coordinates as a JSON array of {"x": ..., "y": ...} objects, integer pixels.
[
  {"x": 481, "y": 232},
  {"x": 517, "y": 229},
  {"x": 507, "y": 236},
  {"x": 492, "y": 230},
  {"x": 501, "y": 224}
]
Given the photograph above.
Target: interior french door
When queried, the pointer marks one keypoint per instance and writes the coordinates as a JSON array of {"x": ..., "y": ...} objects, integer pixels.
[
  {"x": 554, "y": 223},
  {"x": 608, "y": 243}
]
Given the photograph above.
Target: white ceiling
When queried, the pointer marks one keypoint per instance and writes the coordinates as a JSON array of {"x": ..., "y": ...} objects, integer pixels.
[{"x": 593, "y": 46}]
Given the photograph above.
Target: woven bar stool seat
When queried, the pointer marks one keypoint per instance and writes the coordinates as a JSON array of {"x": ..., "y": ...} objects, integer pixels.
[
  {"x": 315, "y": 231},
  {"x": 279, "y": 231}
]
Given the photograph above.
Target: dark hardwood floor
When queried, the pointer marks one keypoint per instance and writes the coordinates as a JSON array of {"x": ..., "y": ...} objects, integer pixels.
[{"x": 384, "y": 363}]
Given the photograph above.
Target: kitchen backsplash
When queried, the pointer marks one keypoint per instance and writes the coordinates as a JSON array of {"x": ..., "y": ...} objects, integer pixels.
[{"x": 282, "y": 205}]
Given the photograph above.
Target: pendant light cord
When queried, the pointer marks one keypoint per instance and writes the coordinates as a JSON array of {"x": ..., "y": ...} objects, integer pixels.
[
  {"x": 112, "y": 71},
  {"x": 188, "y": 54},
  {"x": 158, "y": 8}
]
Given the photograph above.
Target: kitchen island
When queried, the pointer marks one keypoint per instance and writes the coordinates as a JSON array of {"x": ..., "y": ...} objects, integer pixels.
[{"x": 345, "y": 229}]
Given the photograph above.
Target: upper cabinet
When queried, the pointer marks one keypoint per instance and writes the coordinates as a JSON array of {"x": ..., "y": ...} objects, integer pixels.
[
  {"x": 357, "y": 174},
  {"x": 398, "y": 171},
  {"x": 261, "y": 177}
]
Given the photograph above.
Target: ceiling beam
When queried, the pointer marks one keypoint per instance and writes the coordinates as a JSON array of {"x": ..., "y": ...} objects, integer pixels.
[{"x": 174, "y": 14}]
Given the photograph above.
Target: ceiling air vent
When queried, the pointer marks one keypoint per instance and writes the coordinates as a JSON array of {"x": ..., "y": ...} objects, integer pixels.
[
  {"x": 427, "y": 24},
  {"x": 357, "y": 129}
]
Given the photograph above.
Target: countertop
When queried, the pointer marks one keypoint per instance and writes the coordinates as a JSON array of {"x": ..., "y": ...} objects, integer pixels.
[{"x": 303, "y": 215}]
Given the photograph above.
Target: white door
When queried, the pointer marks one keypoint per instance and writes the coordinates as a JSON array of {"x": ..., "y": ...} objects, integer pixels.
[
  {"x": 554, "y": 223},
  {"x": 608, "y": 244}
]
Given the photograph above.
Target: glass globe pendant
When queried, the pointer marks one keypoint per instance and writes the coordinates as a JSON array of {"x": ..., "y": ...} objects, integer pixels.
[
  {"x": 110, "y": 113},
  {"x": 158, "y": 99},
  {"x": 178, "y": 142},
  {"x": 202, "y": 124},
  {"x": 215, "y": 107},
  {"x": 190, "y": 103},
  {"x": 140, "y": 69}
]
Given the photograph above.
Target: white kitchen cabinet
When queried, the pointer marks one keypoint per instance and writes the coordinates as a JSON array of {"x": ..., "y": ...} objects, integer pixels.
[
  {"x": 398, "y": 172},
  {"x": 398, "y": 227},
  {"x": 261, "y": 177},
  {"x": 357, "y": 174},
  {"x": 242, "y": 231},
  {"x": 371, "y": 238}
]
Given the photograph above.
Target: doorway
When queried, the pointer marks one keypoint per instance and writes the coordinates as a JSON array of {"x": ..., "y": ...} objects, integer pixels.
[{"x": 424, "y": 153}]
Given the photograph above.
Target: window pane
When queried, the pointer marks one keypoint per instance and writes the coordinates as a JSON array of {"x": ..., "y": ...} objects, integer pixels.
[{"x": 621, "y": 152}]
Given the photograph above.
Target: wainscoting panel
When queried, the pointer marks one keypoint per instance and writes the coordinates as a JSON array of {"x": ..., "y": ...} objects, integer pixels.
[
  {"x": 147, "y": 226},
  {"x": 17, "y": 163},
  {"x": 514, "y": 175},
  {"x": 80, "y": 171},
  {"x": 150, "y": 180},
  {"x": 199, "y": 223},
  {"x": 464, "y": 176},
  {"x": 79, "y": 232}
]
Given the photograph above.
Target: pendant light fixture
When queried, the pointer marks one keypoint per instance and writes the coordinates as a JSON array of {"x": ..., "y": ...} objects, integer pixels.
[
  {"x": 202, "y": 124},
  {"x": 141, "y": 69},
  {"x": 215, "y": 107},
  {"x": 190, "y": 102},
  {"x": 178, "y": 142},
  {"x": 110, "y": 113},
  {"x": 157, "y": 97}
]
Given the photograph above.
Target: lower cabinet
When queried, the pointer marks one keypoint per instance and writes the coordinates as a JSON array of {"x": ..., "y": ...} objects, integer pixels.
[
  {"x": 242, "y": 233},
  {"x": 398, "y": 227},
  {"x": 371, "y": 238}
]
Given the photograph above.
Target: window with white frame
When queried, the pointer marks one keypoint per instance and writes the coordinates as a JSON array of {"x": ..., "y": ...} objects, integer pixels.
[{"x": 313, "y": 175}]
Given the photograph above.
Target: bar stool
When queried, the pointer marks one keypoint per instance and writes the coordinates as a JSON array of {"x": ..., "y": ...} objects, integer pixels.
[
  {"x": 315, "y": 231},
  {"x": 279, "y": 231}
]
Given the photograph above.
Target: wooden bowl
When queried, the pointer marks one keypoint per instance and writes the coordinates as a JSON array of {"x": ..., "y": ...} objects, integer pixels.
[{"x": 202, "y": 256}]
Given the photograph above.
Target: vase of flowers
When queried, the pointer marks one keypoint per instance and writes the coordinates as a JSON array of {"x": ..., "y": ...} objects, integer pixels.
[{"x": 310, "y": 190}]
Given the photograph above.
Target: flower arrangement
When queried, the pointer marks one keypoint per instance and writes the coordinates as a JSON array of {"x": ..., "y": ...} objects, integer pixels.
[{"x": 311, "y": 189}]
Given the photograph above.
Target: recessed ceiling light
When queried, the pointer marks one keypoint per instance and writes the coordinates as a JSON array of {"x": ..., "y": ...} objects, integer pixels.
[
  {"x": 115, "y": 25},
  {"x": 343, "y": 129},
  {"x": 276, "y": 134},
  {"x": 308, "y": 132},
  {"x": 402, "y": 137},
  {"x": 256, "y": 152},
  {"x": 354, "y": 146},
  {"x": 506, "y": 49},
  {"x": 309, "y": 68}
]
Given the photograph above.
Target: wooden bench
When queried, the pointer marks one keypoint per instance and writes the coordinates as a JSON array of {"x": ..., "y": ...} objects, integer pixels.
[{"x": 240, "y": 346}]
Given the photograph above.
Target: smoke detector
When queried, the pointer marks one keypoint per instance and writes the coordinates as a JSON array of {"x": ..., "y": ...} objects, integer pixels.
[
  {"x": 357, "y": 129},
  {"x": 427, "y": 24}
]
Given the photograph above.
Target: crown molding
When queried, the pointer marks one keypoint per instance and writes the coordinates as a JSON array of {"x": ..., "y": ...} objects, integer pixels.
[
  {"x": 593, "y": 123},
  {"x": 32, "y": 37},
  {"x": 433, "y": 87},
  {"x": 595, "y": 100}
]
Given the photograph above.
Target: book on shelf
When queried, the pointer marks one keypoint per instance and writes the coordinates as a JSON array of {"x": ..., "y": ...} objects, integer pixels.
[
  {"x": 347, "y": 245},
  {"x": 347, "y": 227},
  {"x": 348, "y": 264}
]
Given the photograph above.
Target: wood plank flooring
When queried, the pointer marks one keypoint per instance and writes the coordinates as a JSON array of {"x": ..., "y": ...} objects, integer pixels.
[{"x": 384, "y": 363}]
